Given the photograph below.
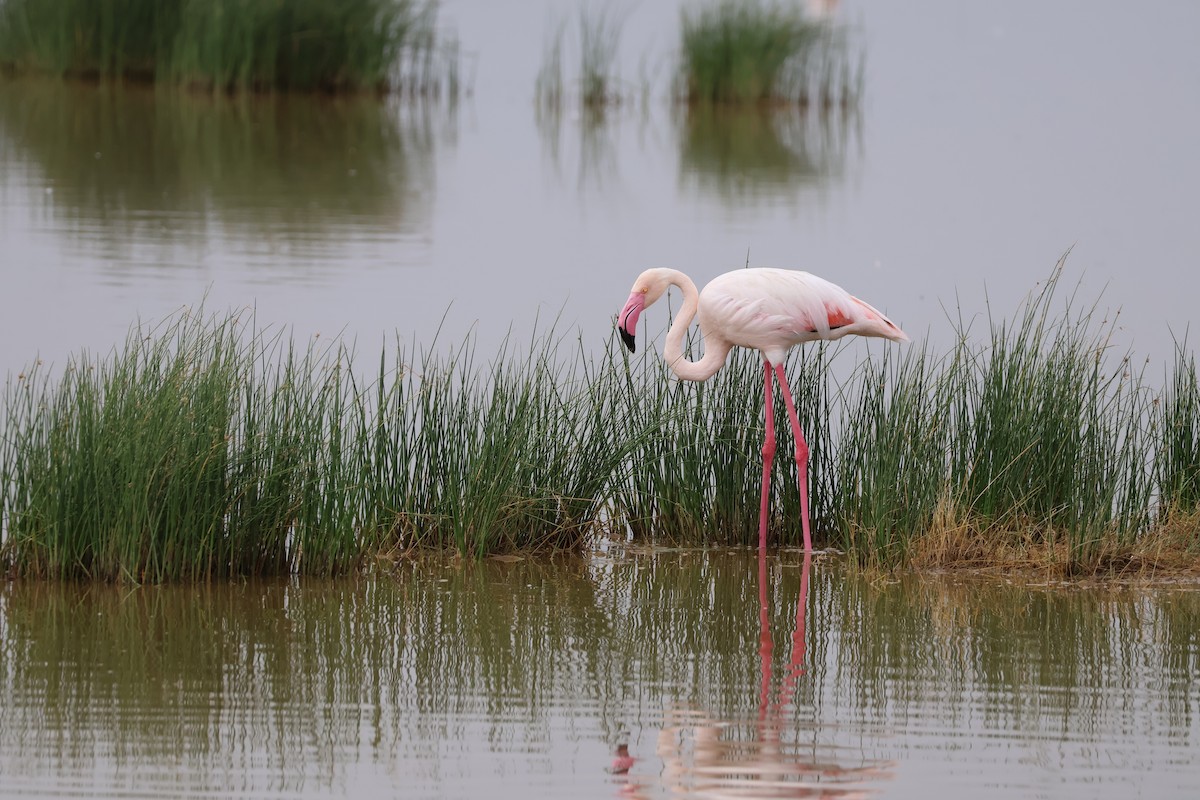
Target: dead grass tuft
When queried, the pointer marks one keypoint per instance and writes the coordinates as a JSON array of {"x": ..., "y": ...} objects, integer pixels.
[{"x": 957, "y": 542}]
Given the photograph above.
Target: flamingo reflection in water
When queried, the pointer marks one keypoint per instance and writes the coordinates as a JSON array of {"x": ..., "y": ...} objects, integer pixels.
[{"x": 717, "y": 765}]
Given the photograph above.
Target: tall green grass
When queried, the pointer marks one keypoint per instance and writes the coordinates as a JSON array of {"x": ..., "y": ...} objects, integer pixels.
[
  {"x": 759, "y": 52},
  {"x": 1178, "y": 428},
  {"x": 190, "y": 453},
  {"x": 516, "y": 453},
  {"x": 234, "y": 44},
  {"x": 1039, "y": 434},
  {"x": 697, "y": 450},
  {"x": 206, "y": 447},
  {"x": 1038, "y": 438}
]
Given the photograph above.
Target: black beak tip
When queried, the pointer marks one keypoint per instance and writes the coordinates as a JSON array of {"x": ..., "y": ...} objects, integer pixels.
[{"x": 628, "y": 339}]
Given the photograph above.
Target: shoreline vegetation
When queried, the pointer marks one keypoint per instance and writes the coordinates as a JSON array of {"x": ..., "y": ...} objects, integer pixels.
[
  {"x": 759, "y": 53},
  {"x": 743, "y": 54},
  {"x": 208, "y": 448},
  {"x": 386, "y": 46}
]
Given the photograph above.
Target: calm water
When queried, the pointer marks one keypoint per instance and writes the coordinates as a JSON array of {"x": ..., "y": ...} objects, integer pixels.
[
  {"x": 520, "y": 680},
  {"x": 992, "y": 137}
]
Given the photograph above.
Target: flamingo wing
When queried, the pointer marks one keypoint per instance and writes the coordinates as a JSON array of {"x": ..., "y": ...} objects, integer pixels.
[{"x": 772, "y": 310}]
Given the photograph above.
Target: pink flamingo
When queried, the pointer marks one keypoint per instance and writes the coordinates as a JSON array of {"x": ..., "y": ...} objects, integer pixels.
[{"x": 769, "y": 310}]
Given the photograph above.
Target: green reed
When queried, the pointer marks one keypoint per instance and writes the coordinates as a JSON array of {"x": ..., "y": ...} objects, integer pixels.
[
  {"x": 233, "y": 44},
  {"x": 697, "y": 450},
  {"x": 514, "y": 454},
  {"x": 892, "y": 453},
  {"x": 548, "y": 87},
  {"x": 599, "y": 39},
  {"x": 1039, "y": 435},
  {"x": 756, "y": 52},
  {"x": 189, "y": 453},
  {"x": 1178, "y": 421},
  {"x": 206, "y": 447},
  {"x": 1053, "y": 440},
  {"x": 598, "y": 81}
]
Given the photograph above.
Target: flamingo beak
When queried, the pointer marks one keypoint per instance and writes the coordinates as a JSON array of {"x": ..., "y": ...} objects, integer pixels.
[{"x": 628, "y": 319}]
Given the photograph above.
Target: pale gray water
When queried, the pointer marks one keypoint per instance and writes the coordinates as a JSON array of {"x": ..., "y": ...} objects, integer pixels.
[
  {"x": 515, "y": 680},
  {"x": 992, "y": 138}
]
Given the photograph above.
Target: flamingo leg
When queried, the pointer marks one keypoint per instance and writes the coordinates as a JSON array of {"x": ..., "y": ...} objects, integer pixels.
[
  {"x": 801, "y": 454},
  {"x": 768, "y": 452},
  {"x": 766, "y": 645},
  {"x": 799, "y": 642}
]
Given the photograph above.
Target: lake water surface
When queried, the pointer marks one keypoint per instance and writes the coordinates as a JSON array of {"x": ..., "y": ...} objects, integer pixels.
[
  {"x": 991, "y": 138},
  {"x": 520, "y": 679}
]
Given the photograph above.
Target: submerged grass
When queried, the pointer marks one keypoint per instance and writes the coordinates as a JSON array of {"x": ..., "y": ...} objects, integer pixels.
[
  {"x": 208, "y": 448},
  {"x": 234, "y": 44}
]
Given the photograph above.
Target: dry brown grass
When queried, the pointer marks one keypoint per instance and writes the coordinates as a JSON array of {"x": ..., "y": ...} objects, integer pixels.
[{"x": 957, "y": 543}]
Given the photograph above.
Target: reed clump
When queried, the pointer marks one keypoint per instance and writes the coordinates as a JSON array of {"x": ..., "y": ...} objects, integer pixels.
[
  {"x": 515, "y": 454},
  {"x": 1037, "y": 448},
  {"x": 1035, "y": 442},
  {"x": 304, "y": 45},
  {"x": 598, "y": 84},
  {"x": 756, "y": 52},
  {"x": 697, "y": 451},
  {"x": 209, "y": 448},
  {"x": 188, "y": 454}
]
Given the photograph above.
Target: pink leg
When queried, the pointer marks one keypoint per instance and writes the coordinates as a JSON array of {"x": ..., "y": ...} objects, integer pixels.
[
  {"x": 768, "y": 452},
  {"x": 801, "y": 455},
  {"x": 766, "y": 645},
  {"x": 799, "y": 642}
]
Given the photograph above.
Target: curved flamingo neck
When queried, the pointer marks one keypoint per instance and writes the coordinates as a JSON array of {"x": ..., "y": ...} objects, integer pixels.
[{"x": 716, "y": 347}]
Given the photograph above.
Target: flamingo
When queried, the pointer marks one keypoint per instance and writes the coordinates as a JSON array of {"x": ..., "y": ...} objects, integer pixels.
[{"x": 769, "y": 310}]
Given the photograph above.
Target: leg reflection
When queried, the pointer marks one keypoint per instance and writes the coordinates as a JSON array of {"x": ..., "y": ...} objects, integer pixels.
[{"x": 705, "y": 755}]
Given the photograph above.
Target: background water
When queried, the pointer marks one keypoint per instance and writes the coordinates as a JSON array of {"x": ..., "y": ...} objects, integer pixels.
[
  {"x": 518, "y": 679},
  {"x": 992, "y": 137}
]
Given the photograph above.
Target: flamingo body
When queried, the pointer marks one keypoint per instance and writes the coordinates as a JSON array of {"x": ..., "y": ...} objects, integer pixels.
[
  {"x": 772, "y": 310},
  {"x": 769, "y": 310}
]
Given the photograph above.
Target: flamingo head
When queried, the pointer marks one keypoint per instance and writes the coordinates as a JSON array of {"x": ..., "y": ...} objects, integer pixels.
[{"x": 649, "y": 286}]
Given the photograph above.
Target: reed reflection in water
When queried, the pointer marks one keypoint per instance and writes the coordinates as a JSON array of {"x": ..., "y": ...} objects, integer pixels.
[
  {"x": 519, "y": 679},
  {"x": 135, "y": 174},
  {"x": 762, "y": 157}
]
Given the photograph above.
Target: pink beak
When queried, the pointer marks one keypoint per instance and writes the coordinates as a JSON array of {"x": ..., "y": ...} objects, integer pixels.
[{"x": 628, "y": 320}]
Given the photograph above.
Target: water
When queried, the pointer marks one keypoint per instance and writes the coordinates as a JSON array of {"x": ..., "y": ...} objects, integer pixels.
[
  {"x": 521, "y": 678},
  {"x": 992, "y": 138}
]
